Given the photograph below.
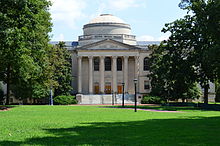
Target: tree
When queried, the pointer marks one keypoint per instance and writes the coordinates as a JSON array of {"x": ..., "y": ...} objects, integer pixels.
[
  {"x": 206, "y": 43},
  {"x": 60, "y": 61},
  {"x": 217, "y": 91},
  {"x": 1, "y": 94},
  {"x": 193, "y": 47},
  {"x": 171, "y": 71},
  {"x": 24, "y": 28}
]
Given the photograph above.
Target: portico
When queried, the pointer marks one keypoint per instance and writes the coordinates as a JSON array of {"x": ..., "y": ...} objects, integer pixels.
[{"x": 114, "y": 68}]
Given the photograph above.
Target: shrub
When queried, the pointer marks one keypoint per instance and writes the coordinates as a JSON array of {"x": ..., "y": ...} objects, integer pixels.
[
  {"x": 151, "y": 100},
  {"x": 217, "y": 96},
  {"x": 64, "y": 100},
  {"x": 1, "y": 95}
]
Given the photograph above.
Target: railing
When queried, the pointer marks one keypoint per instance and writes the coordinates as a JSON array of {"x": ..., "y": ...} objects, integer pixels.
[{"x": 110, "y": 36}]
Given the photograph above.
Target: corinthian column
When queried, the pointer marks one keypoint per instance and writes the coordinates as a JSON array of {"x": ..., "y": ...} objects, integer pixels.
[
  {"x": 79, "y": 74},
  {"x": 90, "y": 74},
  {"x": 126, "y": 73},
  {"x": 102, "y": 74},
  {"x": 114, "y": 74}
]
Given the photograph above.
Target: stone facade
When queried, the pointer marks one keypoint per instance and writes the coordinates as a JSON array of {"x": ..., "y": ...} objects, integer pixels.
[{"x": 108, "y": 40}]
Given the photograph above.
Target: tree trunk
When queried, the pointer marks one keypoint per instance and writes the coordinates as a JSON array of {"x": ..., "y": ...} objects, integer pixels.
[
  {"x": 8, "y": 85},
  {"x": 183, "y": 100},
  {"x": 206, "y": 93}
]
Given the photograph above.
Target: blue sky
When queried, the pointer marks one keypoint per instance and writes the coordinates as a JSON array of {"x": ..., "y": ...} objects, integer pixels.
[{"x": 146, "y": 17}]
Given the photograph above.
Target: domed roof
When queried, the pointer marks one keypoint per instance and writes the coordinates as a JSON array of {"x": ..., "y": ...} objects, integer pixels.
[{"x": 106, "y": 18}]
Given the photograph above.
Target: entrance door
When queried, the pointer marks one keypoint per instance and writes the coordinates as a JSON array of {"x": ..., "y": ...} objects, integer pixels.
[
  {"x": 119, "y": 89},
  {"x": 96, "y": 89},
  {"x": 108, "y": 89}
]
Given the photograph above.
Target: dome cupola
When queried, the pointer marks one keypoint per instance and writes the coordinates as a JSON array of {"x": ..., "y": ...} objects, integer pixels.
[{"x": 106, "y": 26}]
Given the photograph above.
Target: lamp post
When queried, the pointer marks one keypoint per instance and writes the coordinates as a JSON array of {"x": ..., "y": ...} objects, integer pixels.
[
  {"x": 123, "y": 94},
  {"x": 135, "y": 95},
  {"x": 112, "y": 97},
  {"x": 51, "y": 96}
]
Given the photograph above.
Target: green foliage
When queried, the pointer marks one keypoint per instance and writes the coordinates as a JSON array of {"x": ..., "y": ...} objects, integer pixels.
[
  {"x": 191, "y": 54},
  {"x": 152, "y": 100},
  {"x": 25, "y": 25},
  {"x": 60, "y": 60},
  {"x": 217, "y": 94},
  {"x": 172, "y": 75},
  {"x": 206, "y": 40},
  {"x": 65, "y": 100},
  {"x": 1, "y": 94},
  {"x": 194, "y": 92}
]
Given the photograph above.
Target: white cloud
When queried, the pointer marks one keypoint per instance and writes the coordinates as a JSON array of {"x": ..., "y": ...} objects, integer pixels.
[
  {"x": 118, "y": 5},
  {"x": 123, "y": 4},
  {"x": 61, "y": 37},
  {"x": 151, "y": 38},
  {"x": 67, "y": 11},
  {"x": 145, "y": 38}
]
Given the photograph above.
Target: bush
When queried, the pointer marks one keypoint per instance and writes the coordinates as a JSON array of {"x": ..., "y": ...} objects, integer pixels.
[
  {"x": 65, "y": 100},
  {"x": 217, "y": 96},
  {"x": 151, "y": 100},
  {"x": 1, "y": 95}
]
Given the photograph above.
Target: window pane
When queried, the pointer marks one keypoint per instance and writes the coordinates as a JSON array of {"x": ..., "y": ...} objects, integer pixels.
[
  {"x": 119, "y": 64},
  {"x": 96, "y": 64},
  {"x": 108, "y": 64},
  {"x": 146, "y": 64},
  {"x": 146, "y": 85}
]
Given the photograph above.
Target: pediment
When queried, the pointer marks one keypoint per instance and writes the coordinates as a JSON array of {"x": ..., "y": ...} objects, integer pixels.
[{"x": 108, "y": 44}]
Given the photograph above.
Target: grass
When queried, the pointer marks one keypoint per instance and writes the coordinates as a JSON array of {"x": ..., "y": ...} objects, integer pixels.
[{"x": 91, "y": 125}]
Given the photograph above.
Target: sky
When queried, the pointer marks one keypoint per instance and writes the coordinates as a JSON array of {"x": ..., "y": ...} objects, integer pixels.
[{"x": 146, "y": 17}]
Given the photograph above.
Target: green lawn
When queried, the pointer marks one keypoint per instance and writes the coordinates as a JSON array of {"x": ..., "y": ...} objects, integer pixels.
[{"x": 93, "y": 125}]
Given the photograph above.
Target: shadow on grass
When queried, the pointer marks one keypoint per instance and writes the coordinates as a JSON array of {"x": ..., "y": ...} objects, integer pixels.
[
  {"x": 163, "y": 108},
  {"x": 171, "y": 132},
  {"x": 6, "y": 107}
]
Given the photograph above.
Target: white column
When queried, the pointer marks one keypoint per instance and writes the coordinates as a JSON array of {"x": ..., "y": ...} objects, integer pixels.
[
  {"x": 126, "y": 73},
  {"x": 79, "y": 74},
  {"x": 137, "y": 71},
  {"x": 136, "y": 74},
  {"x": 114, "y": 74},
  {"x": 90, "y": 74},
  {"x": 102, "y": 74}
]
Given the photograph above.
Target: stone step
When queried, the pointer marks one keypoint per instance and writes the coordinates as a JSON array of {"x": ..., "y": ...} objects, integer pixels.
[{"x": 104, "y": 99}]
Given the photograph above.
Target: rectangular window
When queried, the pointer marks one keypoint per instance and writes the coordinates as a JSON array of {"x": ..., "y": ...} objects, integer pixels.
[
  {"x": 119, "y": 64},
  {"x": 146, "y": 85},
  {"x": 108, "y": 64},
  {"x": 96, "y": 64}
]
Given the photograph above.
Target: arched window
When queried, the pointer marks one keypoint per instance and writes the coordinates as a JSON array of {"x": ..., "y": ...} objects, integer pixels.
[
  {"x": 119, "y": 64},
  {"x": 146, "y": 64},
  {"x": 96, "y": 64},
  {"x": 108, "y": 64}
]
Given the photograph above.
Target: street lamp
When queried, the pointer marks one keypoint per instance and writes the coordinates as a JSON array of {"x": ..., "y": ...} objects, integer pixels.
[
  {"x": 51, "y": 96},
  {"x": 135, "y": 95},
  {"x": 123, "y": 94},
  {"x": 112, "y": 97}
]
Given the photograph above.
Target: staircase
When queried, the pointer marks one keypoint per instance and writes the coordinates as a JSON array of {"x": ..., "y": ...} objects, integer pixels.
[{"x": 104, "y": 99}]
